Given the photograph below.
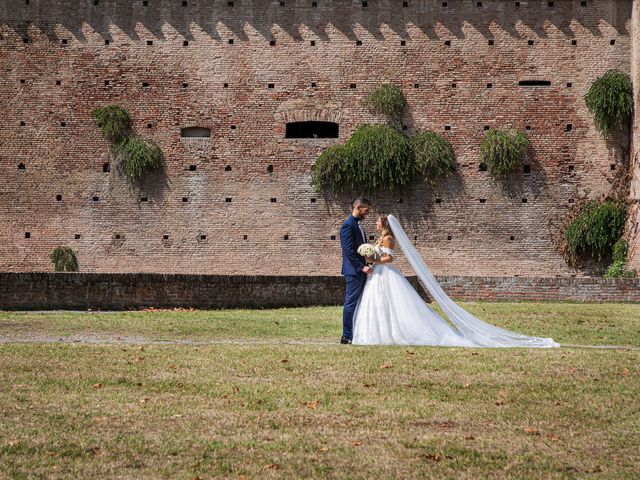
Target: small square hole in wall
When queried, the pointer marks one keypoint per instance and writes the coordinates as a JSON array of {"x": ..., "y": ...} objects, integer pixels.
[
  {"x": 416, "y": 85},
  {"x": 192, "y": 168},
  {"x": 25, "y": 40},
  {"x": 58, "y": 198},
  {"x": 95, "y": 199},
  {"x": 106, "y": 83},
  {"x": 106, "y": 167},
  {"x": 405, "y": 4},
  {"x": 272, "y": 43},
  {"x": 27, "y": 234},
  {"x": 358, "y": 42},
  {"x": 273, "y": 200},
  {"x": 226, "y": 85},
  {"x": 185, "y": 85},
  {"x": 271, "y": 85},
  {"x": 612, "y": 166},
  {"x": 454, "y": 85},
  {"x": 227, "y": 168},
  {"x": 404, "y": 127},
  {"x": 568, "y": 128},
  {"x": 184, "y": 3},
  {"x": 228, "y": 200},
  {"x": 58, "y": 82},
  {"x": 353, "y": 85},
  {"x": 117, "y": 236},
  {"x": 550, "y": 4},
  {"x": 333, "y": 237},
  {"x": 447, "y": 127},
  {"x": 444, "y": 4},
  {"x": 64, "y": 41},
  {"x": 145, "y": 84},
  {"x": 438, "y": 200},
  {"x": 313, "y": 200},
  {"x": 314, "y": 84},
  {"x": 364, "y": 4},
  {"x": 583, "y": 4},
  {"x": 282, "y": 4},
  {"x": 448, "y": 237},
  {"x": 63, "y": 124},
  {"x": 483, "y": 200},
  {"x": 231, "y": 41},
  {"x": 574, "y": 42},
  {"x": 512, "y": 238},
  {"x": 570, "y": 200},
  {"x": 185, "y": 199},
  {"x": 314, "y": 4},
  {"x": 491, "y": 42},
  {"x": 233, "y": 127},
  {"x": 286, "y": 237},
  {"x": 478, "y": 4},
  {"x": 245, "y": 237},
  {"x": 415, "y": 238},
  {"x": 524, "y": 200},
  {"x": 517, "y": 4},
  {"x": 483, "y": 167},
  {"x": 447, "y": 43},
  {"x": 203, "y": 236},
  {"x": 486, "y": 127},
  {"x": 526, "y": 168},
  {"x": 403, "y": 43},
  {"x": 96, "y": 2},
  {"x": 145, "y": 3},
  {"x": 399, "y": 200},
  {"x": 612, "y": 42},
  {"x": 312, "y": 43},
  {"x": 185, "y": 43},
  {"x": 372, "y": 237},
  {"x": 144, "y": 199},
  {"x": 23, "y": 81},
  {"x": 571, "y": 168},
  {"x": 107, "y": 41},
  {"x": 489, "y": 85},
  {"x": 270, "y": 169},
  {"x": 149, "y": 125},
  {"x": 76, "y": 236},
  {"x": 230, "y": 4},
  {"x": 149, "y": 42},
  {"x": 165, "y": 237},
  {"x": 569, "y": 84},
  {"x": 527, "y": 128},
  {"x": 22, "y": 124},
  {"x": 530, "y": 42},
  {"x": 21, "y": 166}
]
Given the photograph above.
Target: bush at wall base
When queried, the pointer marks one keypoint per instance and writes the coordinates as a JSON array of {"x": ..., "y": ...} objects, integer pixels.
[{"x": 64, "y": 259}]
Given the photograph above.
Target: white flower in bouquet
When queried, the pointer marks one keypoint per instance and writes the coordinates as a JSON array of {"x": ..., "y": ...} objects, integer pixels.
[{"x": 367, "y": 250}]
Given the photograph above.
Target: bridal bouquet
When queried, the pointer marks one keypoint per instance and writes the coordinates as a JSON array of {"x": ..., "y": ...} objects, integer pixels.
[{"x": 367, "y": 250}]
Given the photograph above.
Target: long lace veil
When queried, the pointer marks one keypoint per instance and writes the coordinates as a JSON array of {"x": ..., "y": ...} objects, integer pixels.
[{"x": 474, "y": 329}]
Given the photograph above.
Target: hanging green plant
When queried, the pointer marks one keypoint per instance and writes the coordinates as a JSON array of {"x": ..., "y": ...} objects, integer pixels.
[
  {"x": 386, "y": 100},
  {"x": 64, "y": 259},
  {"x": 139, "y": 156},
  {"x": 114, "y": 122},
  {"x": 503, "y": 150},
  {"x": 375, "y": 156},
  {"x": 433, "y": 155},
  {"x": 610, "y": 100},
  {"x": 596, "y": 229}
]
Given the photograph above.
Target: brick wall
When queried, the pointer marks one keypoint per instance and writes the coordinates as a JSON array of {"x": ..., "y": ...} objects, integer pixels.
[
  {"x": 115, "y": 291},
  {"x": 65, "y": 70}
]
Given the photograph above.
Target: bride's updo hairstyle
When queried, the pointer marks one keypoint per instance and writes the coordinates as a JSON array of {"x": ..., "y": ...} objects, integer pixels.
[{"x": 386, "y": 229}]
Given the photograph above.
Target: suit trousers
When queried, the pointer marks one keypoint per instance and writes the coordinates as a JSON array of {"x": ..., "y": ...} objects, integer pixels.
[{"x": 353, "y": 291}]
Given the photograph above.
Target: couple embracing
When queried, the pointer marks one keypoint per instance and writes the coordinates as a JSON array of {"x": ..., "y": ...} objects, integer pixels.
[{"x": 382, "y": 308}]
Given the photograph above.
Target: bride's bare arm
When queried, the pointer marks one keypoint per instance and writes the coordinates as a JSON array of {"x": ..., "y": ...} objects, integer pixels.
[{"x": 387, "y": 242}]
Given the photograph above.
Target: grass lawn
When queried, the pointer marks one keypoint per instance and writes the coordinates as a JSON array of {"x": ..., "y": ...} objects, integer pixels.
[{"x": 287, "y": 401}]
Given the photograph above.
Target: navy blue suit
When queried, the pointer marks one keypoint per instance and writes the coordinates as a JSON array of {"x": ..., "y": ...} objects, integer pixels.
[{"x": 352, "y": 265}]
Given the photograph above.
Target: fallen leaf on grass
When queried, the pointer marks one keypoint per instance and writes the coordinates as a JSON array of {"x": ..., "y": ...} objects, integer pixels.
[
  {"x": 499, "y": 402},
  {"x": 356, "y": 444},
  {"x": 272, "y": 466},
  {"x": 313, "y": 405},
  {"x": 97, "y": 385},
  {"x": 369, "y": 385},
  {"x": 409, "y": 352},
  {"x": 324, "y": 449},
  {"x": 144, "y": 400},
  {"x": 531, "y": 431},
  {"x": 552, "y": 437},
  {"x": 625, "y": 372},
  {"x": 469, "y": 437},
  {"x": 284, "y": 360},
  {"x": 387, "y": 365},
  {"x": 433, "y": 457},
  {"x": 235, "y": 389}
]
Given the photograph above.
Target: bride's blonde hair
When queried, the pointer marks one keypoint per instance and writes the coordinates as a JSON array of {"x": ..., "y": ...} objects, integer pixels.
[{"x": 386, "y": 229}]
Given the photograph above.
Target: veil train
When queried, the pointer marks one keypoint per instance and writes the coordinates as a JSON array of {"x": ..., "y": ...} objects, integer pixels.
[{"x": 472, "y": 328}]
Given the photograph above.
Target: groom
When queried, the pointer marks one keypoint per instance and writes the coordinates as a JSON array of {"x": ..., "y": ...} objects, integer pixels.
[{"x": 354, "y": 267}]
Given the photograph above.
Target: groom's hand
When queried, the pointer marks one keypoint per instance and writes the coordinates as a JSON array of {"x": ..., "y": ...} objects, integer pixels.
[{"x": 368, "y": 270}]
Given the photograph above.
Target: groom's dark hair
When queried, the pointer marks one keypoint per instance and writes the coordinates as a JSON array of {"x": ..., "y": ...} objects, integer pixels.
[{"x": 361, "y": 201}]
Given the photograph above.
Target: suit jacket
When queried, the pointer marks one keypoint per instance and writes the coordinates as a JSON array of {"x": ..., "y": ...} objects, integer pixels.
[{"x": 351, "y": 239}]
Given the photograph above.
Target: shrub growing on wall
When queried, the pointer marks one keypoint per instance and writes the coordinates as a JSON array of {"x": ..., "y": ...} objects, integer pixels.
[
  {"x": 596, "y": 229},
  {"x": 610, "y": 100},
  {"x": 503, "y": 150},
  {"x": 375, "y": 156},
  {"x": 64, "y": 259},
  {"x": 136, "y": 155},
  {"x": 433, "y": 155},
  {"x": 386, "y": 100},
  {"x": 618, "y": 267}
]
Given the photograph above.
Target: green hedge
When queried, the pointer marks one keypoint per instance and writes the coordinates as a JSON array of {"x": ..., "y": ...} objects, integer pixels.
[
  {"x": 503, "y": 150},
  {"x": 610, "y": 100},
  {"x": 64, "y": 259}
]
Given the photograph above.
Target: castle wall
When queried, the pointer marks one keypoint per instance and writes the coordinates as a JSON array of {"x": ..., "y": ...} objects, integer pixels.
[{"x": 454, "y": 231}]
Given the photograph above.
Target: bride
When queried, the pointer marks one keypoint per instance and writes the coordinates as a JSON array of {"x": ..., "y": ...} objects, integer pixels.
[{"x": 391, "y": 312}]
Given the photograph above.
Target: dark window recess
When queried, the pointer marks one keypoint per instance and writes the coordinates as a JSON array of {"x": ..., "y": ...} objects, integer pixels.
[
  {"x": 312, "y": 129},
  {"x": 534, "y": 83},
  {"x": 491, "y": 42},
  {"x": 145, "y": 84},
  {"x": 76, "y": 236},
  {"x": 231, "y": 41},
  {"x": 483, "y": 200},
  {"x": 489, "y": 85},
  {"x": 63, "y": 124},
  {"x": 448, "y": 237},
  {"x": 526, "y": 168},
  {"x": 569, "y": 127},
  {"x": 144, "y": 199},
  {"x": 272, "y": 42},
  {"x": 203, "y": 237},
  {"x": 444, "y": 4},
  {"x": 571, "y": 168},
  {"x": 191, "y": 132},
  {"x": 64, "y": 41},
  {"x": 27, "y": 234},
  {"x": 226, "y": 85},
  {"x": 228, "y": 199},
  {"x": 245, "y": 237},
  {"x": 313, "y": 43},
  {"x": 149, "y": 42},
  {"x": 527, "y": 127},
  {"x": 483, "y": 167},
  {"x": 227, "y": 168},
  {"x": 273, "y": 200},
  {"x": 145, "y": 3},
  {"x": 270, "y": 169},
  {"x": 149, "y": 125},
  {"x": 286, "y": 237},
  {"x": 313, "y": 200},
  {"x": 106, "y": 83},
  {"x": 106, "y": 167},
  {"x": 550, "y": 4},
  {"x": 233, "y": 127},
  {"x": 486, "y": 127},
  {"x": 165, "y": 237},
  {"x": 185, "y": 199},
  {"x": 517, "y": 4},
  {"x": 314, "y": 84},
  {"x": 192, "y": 168},
  {"x": 58, "y": 82},
  {"x": 352, "y": 85},
  {"x": 454, "y": 85},
  {"x": 371, "y": 237},
  {"x": 529, "y": 42},
  {"x": 22, "y": 80},
  {"x": 569, "y": 84},
  {"x": 512, "y": 238},
  {"x": 438, "y": 200},
  {"x": 612, "y": 166},
  {"x": 403, "y": 43},
  {"x": 185, "y": 43},
  {"x": 574, "y": 42},
  {"x": 524, "y": 200},
  {"x": 22, "y": 124},
  {"x": 58, "y": 198},
  {"x": 405, "y": 4},
  {"x": 399, "y": 200},
  {"x": 117, "y": 236},
  {"x": 185, "y": 85},
  {"x": 271, "y": 85},
  {"x": 333, "y": 237},
  {"x": 21, "y": 166},
  {"x": 416, "y": 85},
  {"x": 447, "y": 43},
  {"x": 612, "y": 42},
  {"x": 570, "y": 200},
  {"x": 107, "y": 41},
  {"x": 404, "y": 127},
  {"x": 95, "y": 199},
  {"x": 282, "y": 4},
  {"x": 447, "y": 127}
]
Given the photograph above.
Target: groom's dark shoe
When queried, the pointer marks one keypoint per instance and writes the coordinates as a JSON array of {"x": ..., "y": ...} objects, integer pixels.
[{"x": 345, "y": 340}]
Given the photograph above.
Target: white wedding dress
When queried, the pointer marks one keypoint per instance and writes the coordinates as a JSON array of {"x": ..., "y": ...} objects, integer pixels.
[{"x": 391, "y": 312}]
